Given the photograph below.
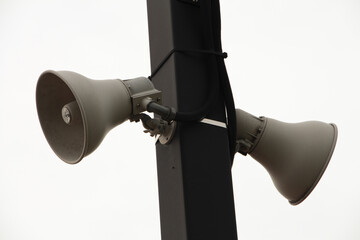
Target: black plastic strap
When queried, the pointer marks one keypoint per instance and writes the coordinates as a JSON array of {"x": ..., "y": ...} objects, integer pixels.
[{"x": 166, "y": 58}]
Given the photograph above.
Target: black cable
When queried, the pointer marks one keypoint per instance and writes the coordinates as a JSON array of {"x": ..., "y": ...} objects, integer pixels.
[
  {"x": 170, "y": 114},
  {"x": 166, "y": 58},
  {"x": 224, "y": 79},
  {"x": 199, "y": 113},
  {"x": 224, "y": 83}
]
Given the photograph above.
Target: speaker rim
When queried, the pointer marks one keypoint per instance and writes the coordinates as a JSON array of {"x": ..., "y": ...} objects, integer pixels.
[
  {"x": 309, "y": 191},
  {"x": 78, "y": 101}
]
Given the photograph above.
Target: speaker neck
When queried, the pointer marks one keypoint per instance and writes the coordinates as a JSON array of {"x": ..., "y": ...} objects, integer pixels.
[{"x": 249, "y": 131}]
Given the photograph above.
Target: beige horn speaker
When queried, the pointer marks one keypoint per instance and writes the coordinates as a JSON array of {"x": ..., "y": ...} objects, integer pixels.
[
  {"x": 76, "y": 112},
  {"x": 295, "y": 154}
]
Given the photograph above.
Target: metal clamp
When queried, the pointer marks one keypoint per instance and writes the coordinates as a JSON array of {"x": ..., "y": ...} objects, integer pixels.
[{"x": 156, "y": 126}]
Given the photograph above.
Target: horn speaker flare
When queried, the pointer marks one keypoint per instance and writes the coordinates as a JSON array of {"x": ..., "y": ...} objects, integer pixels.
[
  {"x": 76, "y": 112},
  {"x": 295, "y": 154}
]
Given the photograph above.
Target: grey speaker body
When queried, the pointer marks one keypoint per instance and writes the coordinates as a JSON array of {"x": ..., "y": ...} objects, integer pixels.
[
  {"x": 295, "y": 154},
  {"x": 76, "y": 112}
]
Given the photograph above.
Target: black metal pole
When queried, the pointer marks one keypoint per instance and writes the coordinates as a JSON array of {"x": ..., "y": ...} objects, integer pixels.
[{"x": 194, "y": 171}]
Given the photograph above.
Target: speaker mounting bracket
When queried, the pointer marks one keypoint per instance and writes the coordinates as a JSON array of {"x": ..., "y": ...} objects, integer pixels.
[{"x": 156, "y": 127}]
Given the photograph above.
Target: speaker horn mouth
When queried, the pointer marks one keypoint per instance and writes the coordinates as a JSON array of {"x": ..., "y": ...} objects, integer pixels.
[
  {"x": 307, "y": 193},
  {"x": 53, "y": 96}
]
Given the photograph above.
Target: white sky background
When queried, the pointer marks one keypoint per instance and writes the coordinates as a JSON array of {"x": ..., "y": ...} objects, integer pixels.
[{"x": 289, "y": 60}]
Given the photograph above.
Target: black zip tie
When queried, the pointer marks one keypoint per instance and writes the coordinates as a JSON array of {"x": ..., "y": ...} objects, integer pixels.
[{"x": 221, "y": 54}]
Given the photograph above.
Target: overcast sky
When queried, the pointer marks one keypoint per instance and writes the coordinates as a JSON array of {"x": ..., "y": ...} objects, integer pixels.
[{"x": 289, "y": 60}]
